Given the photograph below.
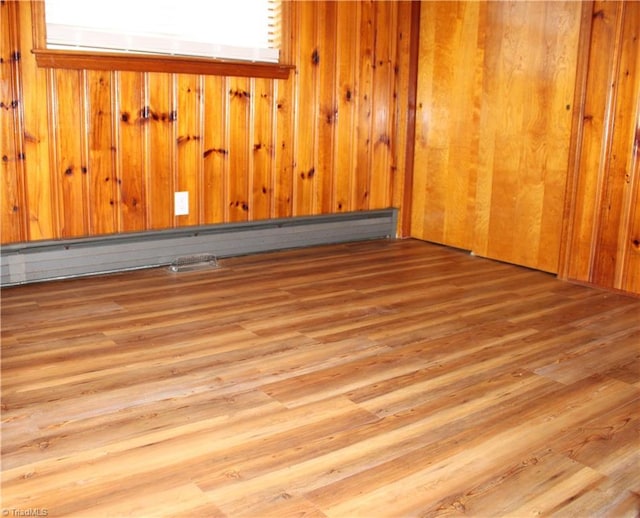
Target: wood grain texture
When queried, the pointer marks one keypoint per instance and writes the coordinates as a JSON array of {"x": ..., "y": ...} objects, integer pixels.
[
  {"x": 447, "y": 121},
  {"x": 41, "y": 186},
  {"x": 12, "y": 201},
  {"x": 244, "y": 147},
  {"x": 347, "y": 70},
  {"x": 603, "y": 242},
  {"x": 364, "y": 136},
  {"x": 100, "y": 157},
  {"x": 382, "y": 378},
  {"x": 493, "y": 130},
  {"x": 262, "y": 153},
  {"x": 70, "y": 166},
  {"x": 189, "y": 92},
  {"x": 161, "y": 134}
]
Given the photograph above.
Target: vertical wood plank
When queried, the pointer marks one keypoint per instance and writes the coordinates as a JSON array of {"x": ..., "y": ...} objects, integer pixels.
[
  {"x": 590, "y": 161},
  {"x": 602, "y": 228},
  {"x": 506, "y": 103},
  {"x": 492, "y": 144},
  {"x": 239, "y": 156},
  {"x": 446, "y": 155},
  {"x": 215, "y": 150},
  {"x": 362, "y": 180},
  {"x": 346, "y": 67},
  {"x": 491, "y": 44},
  {"x": 11, "y": 153},
  {"x": 131, "y": 149},
  {"x": 284, "y": 141},
  {"x": 188, "y": 145},
  {"x": 327, "y": 112},
  {"x": 263, "y": 149},
  {"x": 284, "y": 138},
  {"x": 424, "y": 95},
  {"x": 404, "y": 94},
  {"x": 41, "y": 188},
  {"x": 628, "y": 269},
  {"x": 70, "y": 170},
  {"x": 161, "y": 118},
  {"x": 382, "y": 105},
  {"x": 101, "y": 143},
  {"x": 559, "y": 90},
  {"x": 531, "y": 141},
  {"x": 614, "y": 241},
  {"x": 308, "y": 60},
  {"x": 516, "y": 177}
]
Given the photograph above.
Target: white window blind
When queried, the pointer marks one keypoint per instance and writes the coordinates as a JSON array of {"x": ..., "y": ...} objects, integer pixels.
[{"x": 227, "y": 29}]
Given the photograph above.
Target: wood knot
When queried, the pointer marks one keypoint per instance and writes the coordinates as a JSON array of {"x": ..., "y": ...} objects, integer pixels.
[
  {"x": 239, "y": 94},
  {"x": 309, "y": 174},
  {"x": 215, "y": 150}
]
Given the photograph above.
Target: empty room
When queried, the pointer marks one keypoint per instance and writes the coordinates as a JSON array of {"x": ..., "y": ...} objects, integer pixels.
[{"x": 320, "y": 258}]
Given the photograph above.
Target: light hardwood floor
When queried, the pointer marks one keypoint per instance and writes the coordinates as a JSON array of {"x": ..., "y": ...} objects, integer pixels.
[{"x": 374, "y": 379}]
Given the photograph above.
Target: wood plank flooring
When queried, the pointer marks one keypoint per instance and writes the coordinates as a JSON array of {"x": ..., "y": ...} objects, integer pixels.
[{"x": 373, "y": 379}]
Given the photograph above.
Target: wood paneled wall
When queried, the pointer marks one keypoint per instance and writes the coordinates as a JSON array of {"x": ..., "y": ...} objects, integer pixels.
[
  {"x": 493, "y": 126},
  {"x": 603, "y": 223},
  {"x": 89, "y": 152},
  {"x": 500, "y": 135}
]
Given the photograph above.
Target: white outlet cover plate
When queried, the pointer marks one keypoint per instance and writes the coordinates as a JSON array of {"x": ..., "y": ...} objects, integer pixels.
[{"x": 181, "y": 203}]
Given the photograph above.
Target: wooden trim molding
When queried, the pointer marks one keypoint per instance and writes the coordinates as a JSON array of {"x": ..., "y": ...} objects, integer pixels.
[
  {"x": 83, "y": 60},
  {"x": 579, "y": 100},
  {"x": 411, "y": 120},
  {"x": 88, "y": 60}
]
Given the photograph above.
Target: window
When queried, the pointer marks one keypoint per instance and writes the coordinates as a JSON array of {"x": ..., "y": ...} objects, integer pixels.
[
  {"x": 237, "y": 29},
  {"x": 224, "y": 37}
]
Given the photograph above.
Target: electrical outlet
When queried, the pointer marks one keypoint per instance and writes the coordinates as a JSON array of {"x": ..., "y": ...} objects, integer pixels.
[{"x": 181, "y": 203}]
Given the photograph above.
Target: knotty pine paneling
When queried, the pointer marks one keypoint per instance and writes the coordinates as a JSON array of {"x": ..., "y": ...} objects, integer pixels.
[
  {"x": 493, "y": 126},
  {"x": 105, "y": 151},
  {"x": 239, "y": 148},
  {"x": 69, "y": 162},
  {"x": 160, "y": 127},
  {"x": 12, "y": 188},
  {"x": 328, "y": 113},
  {"x": 305, "y": 135},
  {"x": 189, "y": 145},
  {"x": 603, "y": 228},
  {"x": 364, "y": 107},
  {"x": 262, "y": 114},
  {"x": 132, "y": 150},
  {"x": 102, "y": 189}
]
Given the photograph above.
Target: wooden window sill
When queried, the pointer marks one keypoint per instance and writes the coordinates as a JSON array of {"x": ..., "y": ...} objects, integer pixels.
[{"x": 81, "y": 60}]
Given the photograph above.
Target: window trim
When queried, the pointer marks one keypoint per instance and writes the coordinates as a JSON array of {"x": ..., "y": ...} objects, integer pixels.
[{"x": 97, "y": 60}]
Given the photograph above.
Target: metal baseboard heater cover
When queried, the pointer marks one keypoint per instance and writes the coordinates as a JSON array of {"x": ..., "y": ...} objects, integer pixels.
[{"x": 59, "y": 259}]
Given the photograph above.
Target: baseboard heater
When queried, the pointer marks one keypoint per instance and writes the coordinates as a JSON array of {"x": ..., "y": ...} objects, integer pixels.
[{"x": 59, "y": 259}]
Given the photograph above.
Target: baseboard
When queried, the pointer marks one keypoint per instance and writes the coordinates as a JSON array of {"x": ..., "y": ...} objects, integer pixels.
[{"x": 59, "y": 259}]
